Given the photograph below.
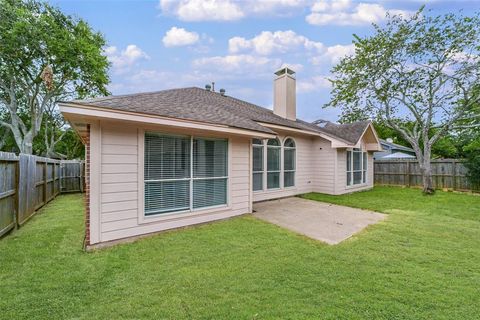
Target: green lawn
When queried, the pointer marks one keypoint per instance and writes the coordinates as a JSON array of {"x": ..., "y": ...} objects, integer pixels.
[{"x": 423, "y": 262}]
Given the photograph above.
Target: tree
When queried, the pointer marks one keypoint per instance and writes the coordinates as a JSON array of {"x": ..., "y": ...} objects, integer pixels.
[
  {"x": 45, "y": 56},
  {"x": 419, "y": 69}
]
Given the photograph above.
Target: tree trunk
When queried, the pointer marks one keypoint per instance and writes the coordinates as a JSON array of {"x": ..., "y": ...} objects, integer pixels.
[{"x": 426, "y": 170}]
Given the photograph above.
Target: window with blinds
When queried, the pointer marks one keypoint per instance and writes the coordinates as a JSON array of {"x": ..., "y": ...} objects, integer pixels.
[
  {"x": 257, "y": 146},
  {"x": 289, "y": 163},
  {"x": 273, "y": 163},
  {"x": 356, "y": 167},
  {"x": 209, "y": 172},
  {"x": 184, "y": 173}
]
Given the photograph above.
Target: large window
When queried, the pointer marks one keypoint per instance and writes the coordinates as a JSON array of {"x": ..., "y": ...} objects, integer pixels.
[
  {"x": 289, "y": 163},
  {"x": 268, "y": 171},
  {"x": 184, "y": 173},
  {"x": 257, "y": 164},
  {"x": 356, "y": 167},
  {"x": 273, "y": 164}
]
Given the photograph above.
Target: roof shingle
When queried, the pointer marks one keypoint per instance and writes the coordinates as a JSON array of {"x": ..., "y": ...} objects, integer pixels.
[{"x": 197, "y": 104}]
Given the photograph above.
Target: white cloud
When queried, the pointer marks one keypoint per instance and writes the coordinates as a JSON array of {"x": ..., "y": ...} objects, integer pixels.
[
  {"x": 202, "y": 10},
  {"x": 274, "y": 6},
  {"x": 122, "y": 60},
  {"x": 268, "y": 42},
  {"x": 280, "y": 42},
  {"x": 242, "y": 63},
  {"x": 313, "y": 84},
  {"x": 344, "y": 12},
  {"x": 179, "y": 37},
  {"x": 227, "y": 10},
  {"x": 332, "y": 55}
]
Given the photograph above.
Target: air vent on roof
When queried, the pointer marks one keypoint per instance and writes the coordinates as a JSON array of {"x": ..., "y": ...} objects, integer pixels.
[
  {"x": 320, "y": 123},
  {"x": 222, "y": 92},
  {"x": 208, "y": 87}
]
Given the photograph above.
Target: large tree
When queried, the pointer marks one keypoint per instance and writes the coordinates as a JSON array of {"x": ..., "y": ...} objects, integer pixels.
[
  {"x": 45, "y": 56},
  {"x": 421, "y": 69}
]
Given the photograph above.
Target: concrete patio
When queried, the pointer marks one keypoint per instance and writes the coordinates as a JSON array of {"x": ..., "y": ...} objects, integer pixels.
[{"x": 321, "y": 221}]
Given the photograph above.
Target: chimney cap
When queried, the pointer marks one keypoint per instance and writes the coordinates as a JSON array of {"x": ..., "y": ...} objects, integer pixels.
[{"x": 284, "y": 70}]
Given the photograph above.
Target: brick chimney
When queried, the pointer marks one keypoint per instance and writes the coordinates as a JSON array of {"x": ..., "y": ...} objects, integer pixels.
[{"x": 284, "y": 94}]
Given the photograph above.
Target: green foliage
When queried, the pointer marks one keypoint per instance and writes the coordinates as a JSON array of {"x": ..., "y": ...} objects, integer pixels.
[
  {"x": 35, "y": 35},
  {"x": 418, "y": 264},
  {"x": 418, "y": 75},
  {"x": 45, "y": 56},
  {"x": 472, "y": 151},
  {"x": 71, "y": 146}
]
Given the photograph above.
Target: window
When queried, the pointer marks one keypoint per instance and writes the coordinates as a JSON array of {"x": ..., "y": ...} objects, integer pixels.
[
  {"x": 184, "y": 173},
  {"x": 257, "y": 164},
  {"x": 209, "y": 172},
  {"x": 289, "y": 163},
  {"x": 356, "y": 167},
  {"x": 273, "y": 163}
]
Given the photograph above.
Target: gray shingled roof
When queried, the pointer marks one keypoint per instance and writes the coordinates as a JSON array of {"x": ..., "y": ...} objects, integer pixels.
[{"x": 210, "y": 107}]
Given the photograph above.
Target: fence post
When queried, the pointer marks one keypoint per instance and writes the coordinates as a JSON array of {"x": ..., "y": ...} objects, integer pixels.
[
  {"x": 454, "y": 174},
  {"x": 16, "y": 200},
  {"x": 81, "y": 166},
  {"x": 45, "y": 181},
  {"x": 408, "y": 173}
]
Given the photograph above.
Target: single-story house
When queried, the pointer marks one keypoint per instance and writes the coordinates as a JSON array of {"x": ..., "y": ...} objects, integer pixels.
[
  {"x": 392, "y": 151},
  {"x": 173, "y": 158}
]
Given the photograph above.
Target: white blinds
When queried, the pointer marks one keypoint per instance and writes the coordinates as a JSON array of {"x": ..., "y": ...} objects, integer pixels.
[
  {"x": 184, "y": 173},
  {"x": 289, "y": 163},
  {"x": 273, "y": 164},
  {"x": 210, "y": 172},
  {"x": 257, "y": 167}
]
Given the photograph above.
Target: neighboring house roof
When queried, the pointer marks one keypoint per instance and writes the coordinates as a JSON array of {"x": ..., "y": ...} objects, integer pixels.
[
  {"x": 398, "y": 155},
  {"x": 197, "y": 104},
  {"x": 395, "y": 146}
]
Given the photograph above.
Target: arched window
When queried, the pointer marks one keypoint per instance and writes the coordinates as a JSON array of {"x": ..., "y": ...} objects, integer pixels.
[
  {"x": 257, "y": 178},
  {"x": 273, "y": 163},
  {"x": 289, "y": 163}
]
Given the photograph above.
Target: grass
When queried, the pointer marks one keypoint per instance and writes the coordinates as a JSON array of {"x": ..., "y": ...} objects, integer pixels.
[{"x": 423, "y": 262}]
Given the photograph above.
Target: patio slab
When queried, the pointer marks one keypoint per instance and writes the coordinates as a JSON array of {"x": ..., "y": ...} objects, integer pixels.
[{"x": 326, "y": 222}]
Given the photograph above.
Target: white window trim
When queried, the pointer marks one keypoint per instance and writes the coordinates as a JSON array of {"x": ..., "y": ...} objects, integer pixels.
[
  {"x": 364, "y": 172},
  {"x": 265, "y": 171},
  {"x": 262, "y": 147},
  {"x": 294, "y": 163},
  {"x": 143, "y": 219},
  {"x": 280, "y": 174}
]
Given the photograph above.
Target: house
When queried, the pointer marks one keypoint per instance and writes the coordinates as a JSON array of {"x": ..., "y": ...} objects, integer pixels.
[
  {"x": 174, "y": 158},
  {"x": 392, "y": 151}
]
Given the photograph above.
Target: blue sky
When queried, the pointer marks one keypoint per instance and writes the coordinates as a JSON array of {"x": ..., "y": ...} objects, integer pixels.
[{"x": 155, "y": 45}]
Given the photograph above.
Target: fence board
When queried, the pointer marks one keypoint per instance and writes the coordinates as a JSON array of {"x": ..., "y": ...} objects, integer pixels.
[
  {"x": 28, "y": 182},
  {"x": 8, "y": 191},
  {"x": 446, "y": 174}
]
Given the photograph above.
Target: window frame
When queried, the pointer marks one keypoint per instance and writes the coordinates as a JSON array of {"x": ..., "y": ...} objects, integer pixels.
[
  {"x": 261, "y": 172},
  {"x": 280, "y": 164},
  {"x": 363, "y": 168},
  {"x": 294, "y": 170},
  {"x": 264, "y": 145},
  {"x": 142, "y": 218}
]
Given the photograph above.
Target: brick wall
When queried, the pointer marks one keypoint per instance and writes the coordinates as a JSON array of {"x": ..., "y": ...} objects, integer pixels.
[{"x": 87, "y": 187}]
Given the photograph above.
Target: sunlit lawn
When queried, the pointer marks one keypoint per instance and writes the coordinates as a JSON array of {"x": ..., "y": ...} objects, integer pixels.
[{"x": 423, "y": 262}]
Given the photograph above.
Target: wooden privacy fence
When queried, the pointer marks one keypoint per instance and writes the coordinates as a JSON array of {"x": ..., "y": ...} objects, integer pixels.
[
  {"x": 446, "y": 174},
  {"x": 28, "y": 182}
]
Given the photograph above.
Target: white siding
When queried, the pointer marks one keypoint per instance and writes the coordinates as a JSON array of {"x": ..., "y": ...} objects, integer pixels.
[
  {"x": 323, "y": 158},
  {"x": 121, "y": 180}
]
